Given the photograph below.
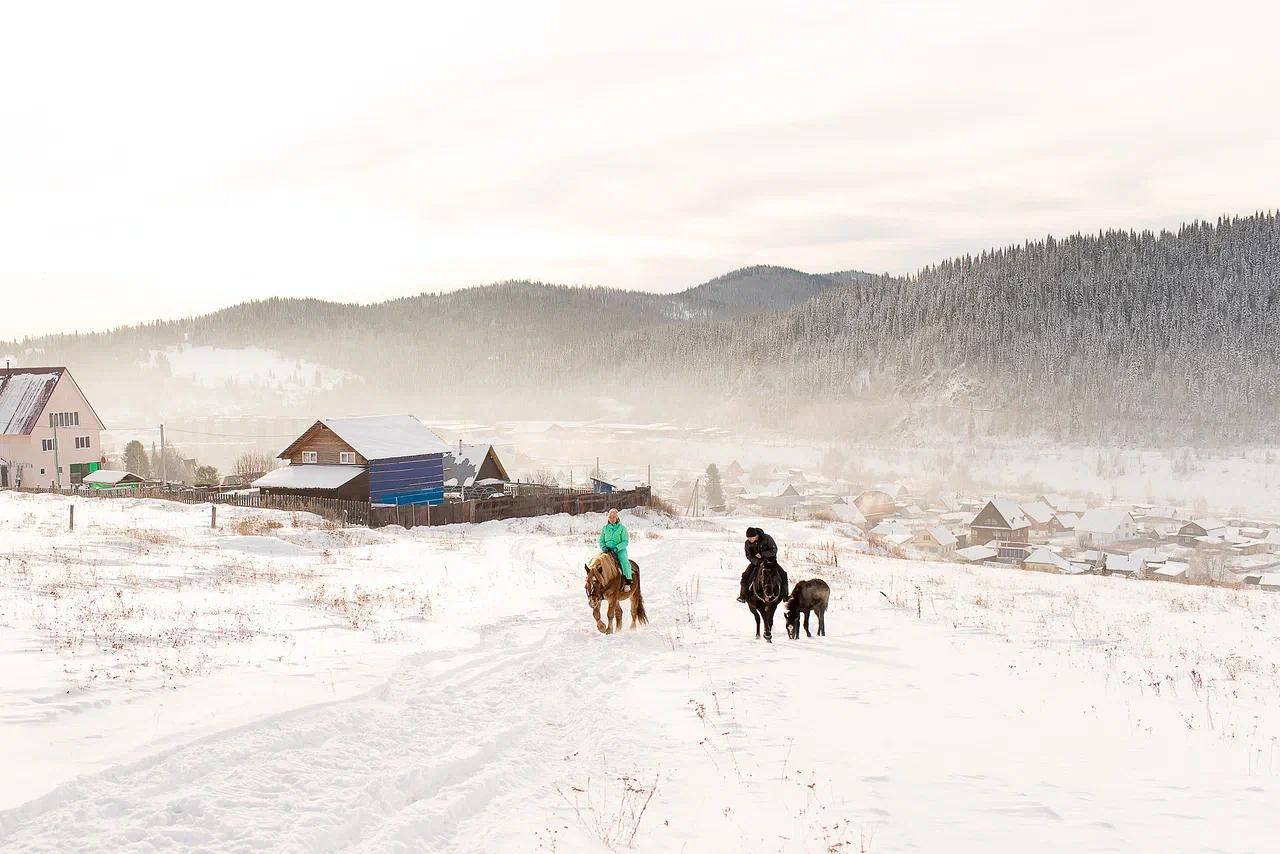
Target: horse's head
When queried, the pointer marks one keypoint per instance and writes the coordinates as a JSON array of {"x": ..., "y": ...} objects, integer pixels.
[
  {"x": 593, "y": 584},
  {"x": 792, "y": 615}
]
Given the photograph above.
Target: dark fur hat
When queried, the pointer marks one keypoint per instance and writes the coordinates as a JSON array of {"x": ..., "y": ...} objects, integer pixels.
[{"x": 754, "y": 532}]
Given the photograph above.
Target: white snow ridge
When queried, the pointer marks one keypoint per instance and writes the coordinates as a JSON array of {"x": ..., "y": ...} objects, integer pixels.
[{"x": 279, "y": 684}]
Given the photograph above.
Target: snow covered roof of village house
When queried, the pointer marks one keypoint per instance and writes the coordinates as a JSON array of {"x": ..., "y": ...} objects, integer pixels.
[
  {"x": 308, "y": 476},
  {"x": 387, "y": 437},
  {"x": 1038, "y": 512},
  {"x": 468, "y": 457},
  {"x": 1044, "y": 556},
  {"x": 976, "y": 553},
  {"x": 109, "y": 477},
  {"x": 1068, "y": 521},
  {"x": 1011, "y": 513},
  {"x": 942, "y": 536},
  {"x": 1209, "y": 525},
  {"x": 23, "y": 395},
  {"x": 1102, "y": 521}
]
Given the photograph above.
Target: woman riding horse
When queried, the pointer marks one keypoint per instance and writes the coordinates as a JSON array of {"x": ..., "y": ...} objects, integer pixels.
[{"x": 614, "y": 541}]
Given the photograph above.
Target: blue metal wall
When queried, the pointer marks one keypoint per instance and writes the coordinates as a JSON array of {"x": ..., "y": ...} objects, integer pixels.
[{"x": 407, "y": 480}]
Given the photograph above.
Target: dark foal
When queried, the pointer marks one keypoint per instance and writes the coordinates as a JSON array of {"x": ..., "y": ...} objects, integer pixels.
[{"x": 807, "y": 596}]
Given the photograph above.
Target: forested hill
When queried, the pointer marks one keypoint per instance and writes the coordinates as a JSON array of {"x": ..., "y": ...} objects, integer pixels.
[
  {"x": 1169, "y": 337},
  {"x": 1118, "y": 336}
]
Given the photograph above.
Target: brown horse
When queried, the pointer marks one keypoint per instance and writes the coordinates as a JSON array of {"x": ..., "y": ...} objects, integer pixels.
[{"x": 604, "y": 581}]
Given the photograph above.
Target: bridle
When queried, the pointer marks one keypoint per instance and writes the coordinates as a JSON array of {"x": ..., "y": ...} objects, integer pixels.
[
  {"x": 594, "y": 594},
  {"x": 767, "y": 585}
]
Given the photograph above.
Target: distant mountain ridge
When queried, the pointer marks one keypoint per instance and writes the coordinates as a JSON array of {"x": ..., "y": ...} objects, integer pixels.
[{"x": 1143, "y": 337}]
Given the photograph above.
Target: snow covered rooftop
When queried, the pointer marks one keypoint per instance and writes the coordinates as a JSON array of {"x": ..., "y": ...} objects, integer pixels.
[
  {"x": 1038, "y": 512},
  {"x": 308, "y": 477},
  {"x": 942, "y": 536},
  {"x": 1011, "y": 512},
  {"x": 387, "y": 437},
  {"x": 1102, "y": 521},
  {"x": 976, "y": 553},
  {"x": 110, "y": 477},
  {"x": 466, "y": 461},
  {"x": 1210, "y": 525},
  {"x": 1044, "y": 556},
  {"x": 23, "y": 395},
  {"x": 1068, "y": 521}
]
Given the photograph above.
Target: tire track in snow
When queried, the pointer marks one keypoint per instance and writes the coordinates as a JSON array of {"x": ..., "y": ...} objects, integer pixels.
[{"x": 398, "y": 767}]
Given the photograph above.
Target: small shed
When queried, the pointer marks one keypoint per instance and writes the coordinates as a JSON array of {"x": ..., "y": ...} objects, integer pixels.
[
  {"x": 467, "y": 465},
  {"x": 112, "y": 479},
  {"x": 976, "y": 554},
  {"x": 1044, "y": 560}
]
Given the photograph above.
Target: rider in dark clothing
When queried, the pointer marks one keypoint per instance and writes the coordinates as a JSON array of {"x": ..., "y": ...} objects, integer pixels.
[{"x": 760, "y": 550}]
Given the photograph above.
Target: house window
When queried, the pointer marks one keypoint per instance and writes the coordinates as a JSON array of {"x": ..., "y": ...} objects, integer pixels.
[
  {"x": 46, "y": 445},
  {"x": 41, "y": 471},
  {"x": 347, "y": 458},
  {"x": 310, "y": 457},
  {"x": 64, "y": 419},
  {"x": 82, "y": 442}
]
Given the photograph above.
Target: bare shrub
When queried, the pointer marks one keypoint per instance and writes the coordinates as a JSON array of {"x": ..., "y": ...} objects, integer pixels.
[{"x": 256, "y": 526}]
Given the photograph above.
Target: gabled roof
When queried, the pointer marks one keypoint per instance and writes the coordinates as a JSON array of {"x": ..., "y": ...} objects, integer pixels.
[
  {"x": 1209, "y": 525},
  {"x": 24, "y": 393},
  {"x": 380, "y": 437},
  {"x": 1068, "y": 521},
  {"x": 1038, "y": 512},
  {"x": 1102, "y": 521},
  {"x": 1044, "y": 556},
  {"x": 942, "y": 536},
  {"x": 976, "y": 553},
  {"x": 1010, "y": 512},
  {"x": 470, "y": 457}
]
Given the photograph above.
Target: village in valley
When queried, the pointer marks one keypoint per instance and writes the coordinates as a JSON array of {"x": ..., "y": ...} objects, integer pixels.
[{"x": 394, "y": 469}]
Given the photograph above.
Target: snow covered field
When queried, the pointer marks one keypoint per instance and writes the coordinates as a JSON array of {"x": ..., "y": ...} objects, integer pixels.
[{"x": 280, "y": 684}]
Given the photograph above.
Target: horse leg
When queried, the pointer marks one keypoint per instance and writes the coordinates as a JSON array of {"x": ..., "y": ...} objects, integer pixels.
[
  {"x": 615, "y": 615},
  {"x": 768, "y": 621},
  {"x": 822, "y": 621},
  {"x": 634, "y": 591},
  {"x": 806, "y": 623},
  {"x": 756, "y": 614},
  {"x": 595, "y": 611}
]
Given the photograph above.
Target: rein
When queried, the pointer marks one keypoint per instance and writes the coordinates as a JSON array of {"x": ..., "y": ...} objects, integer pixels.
[{"x": 767, "y": 585}]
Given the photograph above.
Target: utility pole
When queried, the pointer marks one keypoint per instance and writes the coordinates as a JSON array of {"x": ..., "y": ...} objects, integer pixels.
[
  {"x": 164, "y": 468},
  {"x": 57, "y": 465}
]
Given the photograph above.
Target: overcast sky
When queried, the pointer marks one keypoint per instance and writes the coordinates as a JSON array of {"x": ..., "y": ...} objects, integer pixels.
[{"x": 158, "y": 161}]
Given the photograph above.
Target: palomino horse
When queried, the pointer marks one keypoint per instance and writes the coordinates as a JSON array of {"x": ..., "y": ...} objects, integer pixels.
[{"x": 604, "y": 581}]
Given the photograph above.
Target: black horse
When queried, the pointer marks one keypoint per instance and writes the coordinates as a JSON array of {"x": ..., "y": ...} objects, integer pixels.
[
  {"x": 812, "y": 595},
  {"x": 764, "y": 594}
]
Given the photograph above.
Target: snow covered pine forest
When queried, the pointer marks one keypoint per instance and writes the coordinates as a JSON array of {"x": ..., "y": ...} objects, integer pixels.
[
  {"x": 279, "y": 683},
  {"x": 1163, "y": 339}
]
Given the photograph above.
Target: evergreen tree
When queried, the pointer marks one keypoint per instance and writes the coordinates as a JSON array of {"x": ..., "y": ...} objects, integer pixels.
[
  {"x": 715, "y": 489},
  {"x": 136, "y": 460}
]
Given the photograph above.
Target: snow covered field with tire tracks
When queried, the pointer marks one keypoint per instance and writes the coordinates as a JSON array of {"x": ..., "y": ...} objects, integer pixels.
[{"x": 278, "y": 684}]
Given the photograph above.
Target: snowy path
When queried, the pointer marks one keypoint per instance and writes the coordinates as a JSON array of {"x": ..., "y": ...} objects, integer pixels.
[{"x": 895, "y": 733}]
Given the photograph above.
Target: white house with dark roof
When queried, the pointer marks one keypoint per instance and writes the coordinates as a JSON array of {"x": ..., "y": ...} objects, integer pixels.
[{"x": 50, "y": 434}]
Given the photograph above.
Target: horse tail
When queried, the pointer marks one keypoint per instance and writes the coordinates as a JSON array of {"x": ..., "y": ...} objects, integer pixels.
[{"x": 641, "y": 617}]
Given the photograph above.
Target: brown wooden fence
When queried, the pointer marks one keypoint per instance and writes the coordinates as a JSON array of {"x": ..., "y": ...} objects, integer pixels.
[
  {"x": 523, "y": 506},
  {"x": 361, "y": 513}
]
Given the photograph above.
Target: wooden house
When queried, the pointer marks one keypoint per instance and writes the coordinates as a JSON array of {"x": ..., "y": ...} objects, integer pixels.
[
  {"x": 466, "y": 466},
  {"x": 1198, "y": 530},
  {"x": 383, "y": 459},
  {"x": 937, "y": 540},
  {"x": 1044, "y": 560},
  {"x": 875, "y": 504},
  {"x": 1039, "y": 515},
  {"x": 1001, "y": 519}
]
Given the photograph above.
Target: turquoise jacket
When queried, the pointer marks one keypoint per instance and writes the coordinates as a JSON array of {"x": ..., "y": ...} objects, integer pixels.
[{"x": 613, "y": 538}]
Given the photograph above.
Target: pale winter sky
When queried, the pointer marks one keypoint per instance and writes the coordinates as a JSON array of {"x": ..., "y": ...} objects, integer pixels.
[{"x": 162, "y": 160}]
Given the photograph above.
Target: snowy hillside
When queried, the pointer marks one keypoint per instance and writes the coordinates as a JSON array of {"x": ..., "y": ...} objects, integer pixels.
[{"x": 280, "y": 684}]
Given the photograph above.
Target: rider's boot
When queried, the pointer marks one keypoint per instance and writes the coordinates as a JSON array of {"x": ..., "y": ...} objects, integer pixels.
[{"x": 742, "y": 592}]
